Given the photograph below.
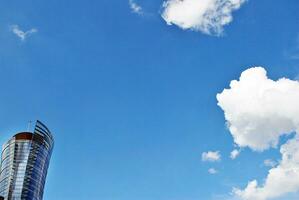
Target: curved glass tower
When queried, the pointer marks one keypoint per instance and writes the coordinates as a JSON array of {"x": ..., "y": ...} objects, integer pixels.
[{"x": 24, "y": 164}]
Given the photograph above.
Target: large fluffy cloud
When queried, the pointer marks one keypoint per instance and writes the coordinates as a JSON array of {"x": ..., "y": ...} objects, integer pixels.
[
  {"x": 207, "y": 16},
  {"x": 259, "y": 111}
]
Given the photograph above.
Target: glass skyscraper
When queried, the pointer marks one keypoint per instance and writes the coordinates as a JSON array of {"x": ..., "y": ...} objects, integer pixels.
[{"x": 24, "y": 164}]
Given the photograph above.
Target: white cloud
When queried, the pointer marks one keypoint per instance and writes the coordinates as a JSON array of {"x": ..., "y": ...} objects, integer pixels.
[
  {"x": 207, "y": 16},
  {"x": 259, "y": 111},
  {"x": 234, "y": 154},
  {"x": 212, "y": 171},
  {"x": 22, "y": 34},
  {"x": 270, "y": 163},
  {"x": 135, "y": 7},
  {"x": 211, "y": 156},
  {"x": 281, "y": 180}
]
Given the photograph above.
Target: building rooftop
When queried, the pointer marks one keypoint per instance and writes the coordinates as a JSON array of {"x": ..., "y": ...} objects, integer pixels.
[{"x": 24, "y": 136}]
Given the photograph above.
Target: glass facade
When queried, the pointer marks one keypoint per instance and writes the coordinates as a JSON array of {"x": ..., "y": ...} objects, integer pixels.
[{"x": 24, "y": 164}]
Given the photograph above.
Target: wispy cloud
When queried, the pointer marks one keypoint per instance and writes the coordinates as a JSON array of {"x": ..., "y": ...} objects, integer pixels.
[
  {"x": 293, "y": 52},
  {"x": 211, "y": 156},
  {"x": 234, "y": 154},
  {"x": 135, "y": 7},
  {"x": 20, "y": 33},
  {"x": 212, "y": 171},
  {"x": 270, "y": 163},
  {"x": 206, "y": 16}
]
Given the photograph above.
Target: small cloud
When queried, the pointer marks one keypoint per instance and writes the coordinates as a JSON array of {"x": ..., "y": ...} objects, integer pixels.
[
  {"x": 270, "y": 163},
  {"x": 208, "y": 16},
  {"x": 212, "y": 171},
  {"x": 135, "y": 7},
  {"x": 211, "y": 156},
  {"x": 20, "y": 33},
  {"x": 234, "y": 154}
]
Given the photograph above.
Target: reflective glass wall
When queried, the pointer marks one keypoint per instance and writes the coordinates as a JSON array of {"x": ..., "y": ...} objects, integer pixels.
[{"x": 24, "y": 164}]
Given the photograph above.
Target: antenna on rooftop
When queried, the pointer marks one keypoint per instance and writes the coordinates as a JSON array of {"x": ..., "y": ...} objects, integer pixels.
[{"x": 29, "y": 125}]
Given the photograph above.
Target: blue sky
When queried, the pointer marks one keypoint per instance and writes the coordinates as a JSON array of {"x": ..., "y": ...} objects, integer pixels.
[{"x": 131, "y": 100}]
